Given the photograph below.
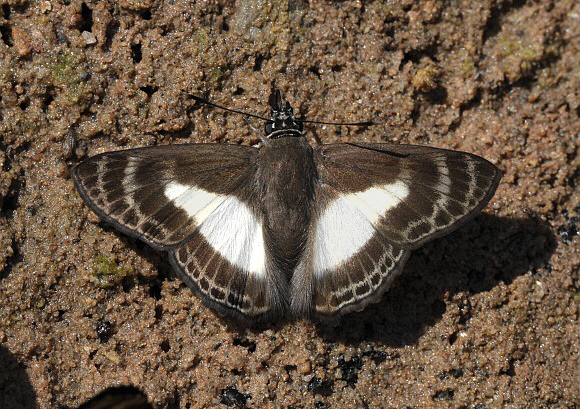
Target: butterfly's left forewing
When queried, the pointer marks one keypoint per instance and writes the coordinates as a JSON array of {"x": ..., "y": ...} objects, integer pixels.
[
  {"x": 375, "y": 203},
  {"x": 197, "y": 202},
  {"x": 151, "y": 193}
]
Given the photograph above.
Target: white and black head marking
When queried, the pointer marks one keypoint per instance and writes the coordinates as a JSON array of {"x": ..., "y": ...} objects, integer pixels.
[
  {"x": 287, "y": 229},
  {"x": 282, "y": 121}
]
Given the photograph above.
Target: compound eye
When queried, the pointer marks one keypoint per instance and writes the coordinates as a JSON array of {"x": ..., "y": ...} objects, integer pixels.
[{"x": 268, "y": 128}]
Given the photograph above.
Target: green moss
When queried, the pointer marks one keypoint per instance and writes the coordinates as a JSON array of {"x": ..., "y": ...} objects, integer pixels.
[
  {"x": 518, "y": 51},
  {"x": 63, "y": 65},
  {"x": 66, "y": 67},
  {"x": 216, "y": 74},
  {"x": 201, "y": 38},
  {"x": 467, "y": 68},
  {"x": 107, "y": 273}
]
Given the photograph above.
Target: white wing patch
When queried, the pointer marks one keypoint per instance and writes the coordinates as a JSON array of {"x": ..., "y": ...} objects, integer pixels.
[
  {"x": 349, "y": 222},
  {"x": 226, "y": 223},
  {"x": 197, "y": 203},
  {"x": 233, "y": 231}
]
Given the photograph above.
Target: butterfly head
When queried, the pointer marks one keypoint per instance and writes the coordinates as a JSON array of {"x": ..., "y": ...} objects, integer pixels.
[{"x": 282, "y": 121}]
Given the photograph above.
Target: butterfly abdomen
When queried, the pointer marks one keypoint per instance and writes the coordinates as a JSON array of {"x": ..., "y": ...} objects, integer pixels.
[{"x": 285, "y": 176}]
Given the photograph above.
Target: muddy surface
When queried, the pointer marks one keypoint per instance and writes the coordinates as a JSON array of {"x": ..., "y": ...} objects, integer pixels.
[{"x": 486, "y": 317}]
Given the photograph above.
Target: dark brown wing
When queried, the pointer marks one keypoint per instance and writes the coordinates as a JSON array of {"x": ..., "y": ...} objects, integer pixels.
[
  {"x": 197, "y": 202},
  {"x": 375, "y": 203},
  {"x": 128, "y": 188}
]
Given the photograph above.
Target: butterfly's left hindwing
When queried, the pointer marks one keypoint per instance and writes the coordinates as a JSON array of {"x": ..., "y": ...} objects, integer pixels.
[
  {"x": 375, "y": 203},
  {"x": 196, "y": 202}
]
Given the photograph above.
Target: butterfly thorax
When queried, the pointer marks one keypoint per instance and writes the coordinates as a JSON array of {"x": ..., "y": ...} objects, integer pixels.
[{"x": 286, "y": 176}]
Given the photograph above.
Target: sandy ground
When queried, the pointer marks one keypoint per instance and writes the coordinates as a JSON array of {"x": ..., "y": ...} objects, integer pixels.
[{"x": 486, "y": 317}]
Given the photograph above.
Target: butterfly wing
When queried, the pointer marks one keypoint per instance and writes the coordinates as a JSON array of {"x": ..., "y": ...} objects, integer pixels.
[
  {"x": 118, "y": 397},
  {"x": 196, "y": 202},
  {"x": 375, "y": 203}
]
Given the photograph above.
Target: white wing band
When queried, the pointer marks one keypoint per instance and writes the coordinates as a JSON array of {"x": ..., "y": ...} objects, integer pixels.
[
  {"x": 349, "y": 222},
  {"x": 226, "y": 223}
]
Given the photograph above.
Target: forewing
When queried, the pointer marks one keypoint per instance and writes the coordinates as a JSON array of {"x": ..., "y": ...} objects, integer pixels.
[
  {"x": 375, "y": 203},
  {"x": 150, "y": 193},
  {"x": 197, "y": 202}
]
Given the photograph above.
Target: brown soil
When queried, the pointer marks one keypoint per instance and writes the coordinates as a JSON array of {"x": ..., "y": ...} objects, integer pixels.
[{"x": 486, "y": 317}]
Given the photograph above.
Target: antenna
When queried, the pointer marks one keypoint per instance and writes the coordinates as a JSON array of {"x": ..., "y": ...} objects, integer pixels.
[
  {"x": 236, "y": 111},
  {"x": 211, "y": 104}
]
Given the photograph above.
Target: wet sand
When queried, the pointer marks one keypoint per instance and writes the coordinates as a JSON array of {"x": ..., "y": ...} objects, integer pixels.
[{"x": 486, "y": 317}]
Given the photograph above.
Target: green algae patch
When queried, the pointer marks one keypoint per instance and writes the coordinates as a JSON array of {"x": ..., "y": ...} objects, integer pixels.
[
  {"x": 520, "y": 47},
  {"x": 106, "y": 273},
  {"x": 67, "y": 70}
]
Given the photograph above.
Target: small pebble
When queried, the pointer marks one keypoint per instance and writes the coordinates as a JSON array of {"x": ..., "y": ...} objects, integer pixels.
[
  {"x": 304, "y": 367},
  {"x": 89, "y": 37},
  {"x": 21, "y": 41}
]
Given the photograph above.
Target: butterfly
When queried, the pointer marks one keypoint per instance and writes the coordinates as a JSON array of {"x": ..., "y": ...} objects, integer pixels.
[{"x": 286, "y": 228}]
